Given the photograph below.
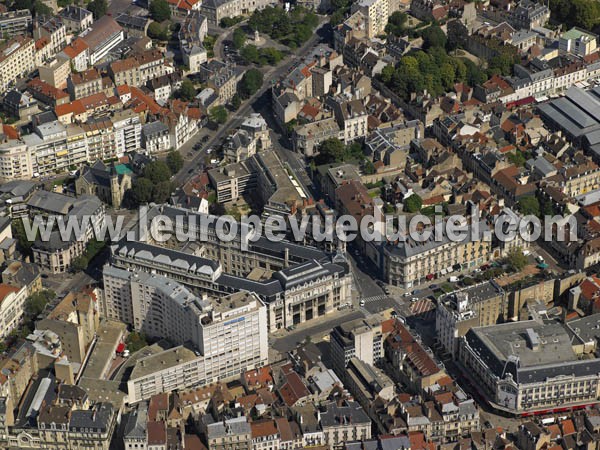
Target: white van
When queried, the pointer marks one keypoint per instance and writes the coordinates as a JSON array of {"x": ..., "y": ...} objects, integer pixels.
[{"x": 453, "y": 279}]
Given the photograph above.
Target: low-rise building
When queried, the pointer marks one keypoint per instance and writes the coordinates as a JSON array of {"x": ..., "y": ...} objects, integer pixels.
[
  {"x": 55, "y": 32},
  {"x": 104, "y": 35},
  {"x": 75, "y": 320},
  {"x": 84, "y": 84},
  {"x": 174, "y": 313},
  {"x": 56, "y": 72},
  {"x": 134, "y": 26},
  {"x": 12, "y": 308},
  {"x": 307, "y": 138},
  {"x": 155, "y": 137},
  {"x": 191, "y": 41},
  {"x": 76, "y": 18},
  {"x": 343, "y": 422},
  {"x": 361, "y": 339},
  {"x": 408, "y": 263}
]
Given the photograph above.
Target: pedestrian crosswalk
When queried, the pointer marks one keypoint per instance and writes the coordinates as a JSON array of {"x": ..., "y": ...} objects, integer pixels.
[{"x": 376, "y": 298}]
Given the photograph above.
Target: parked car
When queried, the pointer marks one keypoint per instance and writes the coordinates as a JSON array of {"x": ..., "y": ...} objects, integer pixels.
[
  {"x": 453, "y": 279},
  {"x": 362, "y": 303}
]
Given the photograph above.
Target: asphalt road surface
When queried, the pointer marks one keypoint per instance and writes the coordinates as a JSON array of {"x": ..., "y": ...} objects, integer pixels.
[{"x": 286, "y": 342}]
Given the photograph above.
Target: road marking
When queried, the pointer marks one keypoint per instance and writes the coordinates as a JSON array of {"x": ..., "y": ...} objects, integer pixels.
[{"x": 375, "y": 298}]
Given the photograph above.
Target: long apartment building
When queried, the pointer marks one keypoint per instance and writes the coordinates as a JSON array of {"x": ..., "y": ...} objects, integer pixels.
[
  {"x": 16, "y": 60},
  {"x": 14, "y": 23},
  {"x": 228, "y": 332},
  {"x": 265, "y": 174},
  {"x": 408, "y": 262}
]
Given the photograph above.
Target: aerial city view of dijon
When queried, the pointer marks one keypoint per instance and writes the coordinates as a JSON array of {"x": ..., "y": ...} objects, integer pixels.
[{"x": 300, "y": 224}]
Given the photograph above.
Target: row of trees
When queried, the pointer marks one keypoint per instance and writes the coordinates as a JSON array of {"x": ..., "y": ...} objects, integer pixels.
[{"x": 291, "y": 29}]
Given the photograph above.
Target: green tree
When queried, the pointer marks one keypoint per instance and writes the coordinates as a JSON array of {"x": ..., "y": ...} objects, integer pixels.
[
  {"x": 98, "y": 8},
  {"x": 458, "y": 34},
  {"x": 251, "y": 82},
  {"x": 502, "y": 64},
  {"x": 474, "y": 74},
  {"x": 516, "y": 260},
  {"x": 18, "y": 230},
  {"x": 272, "y": 55},
  {"x": 529, "y": 205},
  {"x": 159, "y": 10},
  {"x": 141, "y": 191},
  {"x": 155, "y": 31},
  {"x": 236, "y": 102},
  {"x": 36, "y": 303},
  {"x": 517, "y": 158},
  {"x": 136, "y": 341},
  {"x": 433, "y": 36},
  {"x": 581, "y": 13},
  {"x": 227, "y": 22},
  {"x": 157, "y": 172},
  {"x": 23, "y": 4},
  {"x": 250, "y": 54},
  {"x": 187, "y": 91},
  {"x": 162, "y": 191},
  {"x": 413, "y": 204},
  {"x": 331, "y": 150},
  {"x": 397, "y": 23},
  {"x": 369, "y": 167},
  {"x": 174, "y": 161},
  {"x": 80, "y": 263},
  {"x": 41, "y": 9},
  {"x": 218, "y": 114},
  {"x": 239, "y": 38},
  {"x": 387, "y": 73}
]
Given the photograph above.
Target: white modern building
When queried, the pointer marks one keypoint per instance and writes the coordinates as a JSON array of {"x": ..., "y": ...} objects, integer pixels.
[{"x": 228, "y": 333}]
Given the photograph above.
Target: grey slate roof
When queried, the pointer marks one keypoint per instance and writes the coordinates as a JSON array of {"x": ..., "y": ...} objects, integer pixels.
[
  {"x": 136, "y": 425},
  {"x": 97, "y": 419},
  {"x": 351, "y": 412},
  {"x": 18, "y": 188},
  {"x": 506, "y": 348}
]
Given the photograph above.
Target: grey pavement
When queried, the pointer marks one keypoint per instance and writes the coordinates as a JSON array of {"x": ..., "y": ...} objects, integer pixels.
[{"x": 284, "y": 340}]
